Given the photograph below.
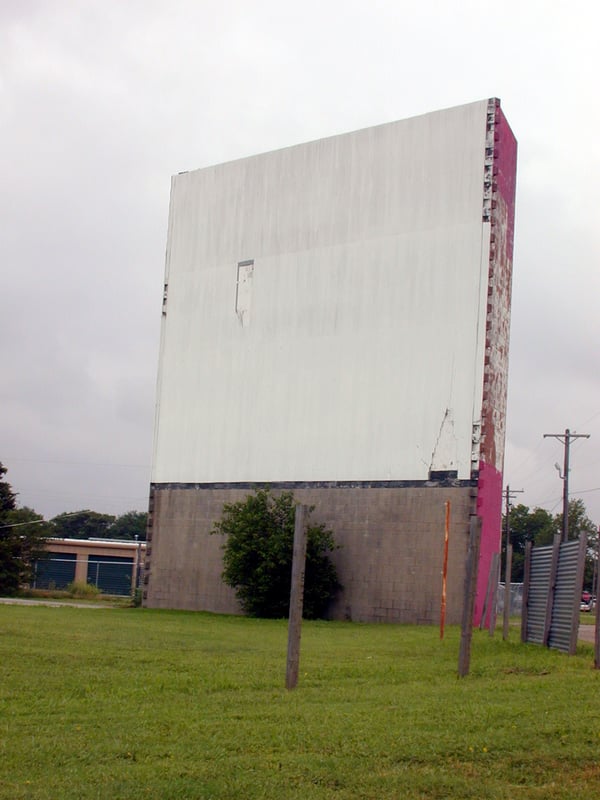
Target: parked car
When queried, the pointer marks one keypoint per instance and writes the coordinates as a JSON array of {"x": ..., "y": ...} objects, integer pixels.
[{"x": 587, "y": 602}]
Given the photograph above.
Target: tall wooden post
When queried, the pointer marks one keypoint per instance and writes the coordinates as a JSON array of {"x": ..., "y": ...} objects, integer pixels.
[
  {"x": 490, "y": 592},
  {"x": 466, "y": 629},
  {"x": 526, "y": 585},
  {"x": 494, "y": 592},
  {"x": 445, "y": 570},
  {"x": 596, "y": 612},
  {"x": 578, "y": 588},
  {"x": 296, "y": 599},
  {"x": 507, "y": 585}
]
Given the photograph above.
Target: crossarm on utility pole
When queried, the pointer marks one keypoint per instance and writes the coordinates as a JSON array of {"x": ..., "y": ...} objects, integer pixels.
[{"x": 566, "y": 438}]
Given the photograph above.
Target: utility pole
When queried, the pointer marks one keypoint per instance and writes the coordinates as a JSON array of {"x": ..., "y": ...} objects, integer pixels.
[
  {"x": 508, "y": 496},
  {"x": 508, "y": 563},
  {"x": 566, "y": 438}
]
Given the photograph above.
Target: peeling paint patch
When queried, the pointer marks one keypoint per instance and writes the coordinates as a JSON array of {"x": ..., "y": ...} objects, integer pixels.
[
  {"x": 243, "y": 291},
  {"x": 499, "y": 200},
  {"x": 444, "y": 455}
]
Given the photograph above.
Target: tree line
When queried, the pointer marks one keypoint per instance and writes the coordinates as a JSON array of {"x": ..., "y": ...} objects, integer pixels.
[
  {"x": 539, "y": 527},
  {"x": 23, "y": 532}
]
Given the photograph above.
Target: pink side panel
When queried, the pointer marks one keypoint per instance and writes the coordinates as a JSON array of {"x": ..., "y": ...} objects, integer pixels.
[
  {"x": 493, "y": 412},
  {"x": 489, "y": 508}
]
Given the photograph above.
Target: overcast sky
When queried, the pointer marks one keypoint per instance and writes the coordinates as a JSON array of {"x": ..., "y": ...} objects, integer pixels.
[{"x": 102, "y": 101}]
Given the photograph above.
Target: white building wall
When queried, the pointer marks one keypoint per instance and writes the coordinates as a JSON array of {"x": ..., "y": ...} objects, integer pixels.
[{"x": 356, "y": 348}]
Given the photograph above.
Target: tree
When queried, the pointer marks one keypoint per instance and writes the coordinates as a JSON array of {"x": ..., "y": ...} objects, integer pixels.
[
  {"x": 258, "y": 556},
  {"x": 538, "y": 526},
  {"x": 579, "y": 523},
  {"x": 21, "y": 544},
  {"x": 7, "y": 497},
  {"x": 129, "y": 525},
  {"x": 82, "y": 525}
]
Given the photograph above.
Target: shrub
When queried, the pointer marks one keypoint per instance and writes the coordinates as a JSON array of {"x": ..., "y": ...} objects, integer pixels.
[
  {"x": 136, "y": 600},
  {"x": 84, "y": 591},
  {"x": 258, "y": 556}
]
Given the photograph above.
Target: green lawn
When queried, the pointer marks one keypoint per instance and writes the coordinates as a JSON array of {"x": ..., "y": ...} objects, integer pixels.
[{"x": 130, "y": 703}]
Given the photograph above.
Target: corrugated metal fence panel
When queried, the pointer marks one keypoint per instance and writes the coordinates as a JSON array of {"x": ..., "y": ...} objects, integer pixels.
[
  {"x": 566, "y": 594},
  {"x": 541, "y": 561}
]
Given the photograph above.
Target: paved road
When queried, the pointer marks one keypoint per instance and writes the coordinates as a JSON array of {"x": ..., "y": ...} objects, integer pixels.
[
  {"x": 586, "y": 633},
  {"x": 26, "y": 601}
]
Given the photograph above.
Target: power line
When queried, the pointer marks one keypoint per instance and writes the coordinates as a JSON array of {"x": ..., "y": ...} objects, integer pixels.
[
  {"x": 8, "y": 459},
  {"x": 597, "y": 414},
  {"x": 527, "y": 458},
  {"x": 36, "y": 521},
  {"x": 58, "y": 495}
]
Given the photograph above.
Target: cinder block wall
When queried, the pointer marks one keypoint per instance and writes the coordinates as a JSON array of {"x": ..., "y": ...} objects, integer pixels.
[{"x": 390, "y": 560}]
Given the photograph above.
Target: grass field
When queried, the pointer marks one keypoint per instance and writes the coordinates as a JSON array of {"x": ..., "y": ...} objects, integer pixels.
[{"x": 130, "y": 703}]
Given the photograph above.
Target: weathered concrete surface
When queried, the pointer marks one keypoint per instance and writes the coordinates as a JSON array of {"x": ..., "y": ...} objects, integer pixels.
[{"x": 389, "y": 562}]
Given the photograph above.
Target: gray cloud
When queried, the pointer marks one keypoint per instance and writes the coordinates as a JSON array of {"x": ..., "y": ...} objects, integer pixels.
[{"x": 100, "y": 102}]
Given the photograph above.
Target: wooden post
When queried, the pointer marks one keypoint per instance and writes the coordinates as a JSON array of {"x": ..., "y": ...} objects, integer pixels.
[
  {"x": 466, "y": 631},
  {"x": 526, "y": 585},
  {"x": 445, "y": 570},
  {"x": 507, "y": 593},
  {"x": 488, "y": 595},
  {"x": 495, "y": 573},
  {"x": 296, "y": 599},
  {"x": 597, "y": 639}
]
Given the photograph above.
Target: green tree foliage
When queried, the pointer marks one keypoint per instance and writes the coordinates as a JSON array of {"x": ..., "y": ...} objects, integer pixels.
[
  {"x": 537, "y": 526},
  {"x": 8, "y": 499},
  {"x": 82, "y": 525},
  {"x": 540, "y": 526},
  {"x": 579, "y": 523},
  {"x": 93, "y": 525},
  {"x": 258, "y": 556},
  {"x": 129, "y": 525},
  {"x": 21, "y": 544}
]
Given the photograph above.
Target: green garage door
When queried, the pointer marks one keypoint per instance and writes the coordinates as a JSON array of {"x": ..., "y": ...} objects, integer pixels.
[
  {"x": 111, "y": 574},
  {"x": 54, "y": 571}
]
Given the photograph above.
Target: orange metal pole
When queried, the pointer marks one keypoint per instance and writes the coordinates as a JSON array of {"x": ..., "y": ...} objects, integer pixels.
[{"x": 445, "y": 570}]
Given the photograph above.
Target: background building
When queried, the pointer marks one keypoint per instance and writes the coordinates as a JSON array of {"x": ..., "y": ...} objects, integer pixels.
[
  {"x": 114, "y": 566},
  {"x": 336, "y": 321}
]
